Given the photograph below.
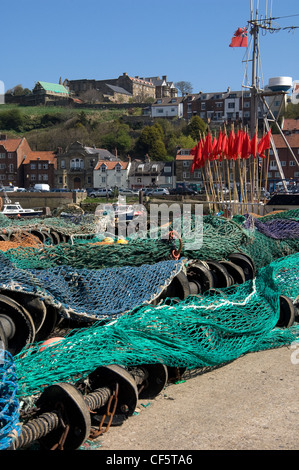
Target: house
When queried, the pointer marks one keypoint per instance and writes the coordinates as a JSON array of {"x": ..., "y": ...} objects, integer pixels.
[
  {"x": 13, "y": 153},
  {"x": 145, "y": 174},
  {"x": 183, "y": 168},
  {"x": 108, "y": 174},
  {"x": 218, "y": 106},
  {"x": 123, "y": 87},
  {"x": 164, "y": 89},
  {"x": 289, "y": 165},
  {"x": 167, "y": 107},
  {"x": 75, "y": 166},
  {"x": 45, "y": 92},
  {"x": 39, "y": 167}
]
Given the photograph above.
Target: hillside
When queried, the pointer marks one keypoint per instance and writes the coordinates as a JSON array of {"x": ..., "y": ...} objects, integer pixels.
[{"x": 123, "y": 130}]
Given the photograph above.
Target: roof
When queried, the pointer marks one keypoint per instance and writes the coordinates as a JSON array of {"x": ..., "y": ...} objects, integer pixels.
[
  {"x": 54, "y": 87},
  {"x": 184, "y": 157},
  {"x": 11, "y": 145},
  {"x": 293, "y": 140},
  {"x": 118, "y": 89},
  {"x": 40, "y": 155},
  {"x": 110, "y": 165},
  {"x": 171, "y": 101},
  {"x": 290, "y": 124}
]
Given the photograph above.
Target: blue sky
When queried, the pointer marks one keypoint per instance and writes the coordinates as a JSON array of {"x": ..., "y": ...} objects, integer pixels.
[{"x": 100, "y": 39}]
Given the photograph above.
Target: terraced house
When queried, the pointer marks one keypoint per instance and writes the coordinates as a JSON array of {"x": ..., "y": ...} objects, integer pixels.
[{"x": 22, "y": 167}]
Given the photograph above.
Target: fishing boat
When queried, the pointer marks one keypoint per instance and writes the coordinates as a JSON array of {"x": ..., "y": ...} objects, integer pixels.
[{"x": 14, "y": 209}]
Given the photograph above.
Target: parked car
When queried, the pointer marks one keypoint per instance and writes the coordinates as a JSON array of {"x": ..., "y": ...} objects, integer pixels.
[
  {"x": 128, "y": 192},
  {"x": 159, "y": 192},
  {"x": 147, "y": 191},
  {"x": 101, "y": 193},
  {"x": 184, "y": 191}
]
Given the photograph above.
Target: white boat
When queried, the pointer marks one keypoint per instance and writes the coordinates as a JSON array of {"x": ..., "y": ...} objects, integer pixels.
[{"x": 14, "y": 209}]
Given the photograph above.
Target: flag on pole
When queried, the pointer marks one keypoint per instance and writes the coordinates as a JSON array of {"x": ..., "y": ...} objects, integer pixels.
[
  {"x": 264, "y": 144},
  {"x": 240, "y": 38},
  {"x": 253, "y": 145}
]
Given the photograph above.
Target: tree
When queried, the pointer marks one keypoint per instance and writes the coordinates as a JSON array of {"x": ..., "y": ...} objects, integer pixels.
[
  {"x": 151, "y": 142},
  {"x": 12, "y": 119},
  {"x": 18, "y": 90},
  {"x": 196, "y": 128},
  {"x": 184, "y": 87}
]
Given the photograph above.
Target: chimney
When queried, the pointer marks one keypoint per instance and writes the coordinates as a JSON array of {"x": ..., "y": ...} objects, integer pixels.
[{"x": 164, "y": 77}]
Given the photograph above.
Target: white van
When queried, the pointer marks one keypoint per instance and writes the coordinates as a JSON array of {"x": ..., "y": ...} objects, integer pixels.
[{"x": 42, "y": 187}]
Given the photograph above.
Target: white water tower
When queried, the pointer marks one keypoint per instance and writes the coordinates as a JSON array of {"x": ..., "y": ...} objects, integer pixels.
[{"x": 280, "y": 83}]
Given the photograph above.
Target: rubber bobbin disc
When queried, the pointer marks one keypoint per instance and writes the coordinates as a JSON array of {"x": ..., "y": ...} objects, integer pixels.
[
  {"x": 23, "y": 331},
  {"x": 201, "y": 274},
  {"x": 234, "y": 271},
  {"x": 109, "y": 376},
  {"x": 39, "y": 234},
  {"x": 220, "y": 274},
  {"x": 179, "y": 287},
  {"x": 287, "y": 312},
  {"x": 33, "y": 305},
  {"x": 156, "y": 380},
  {"x": 55, "y": 237},
  {"x": 49, "y": 323},
  {"x": 245, "y": 262},
  {"x": 67, "y": 400}
]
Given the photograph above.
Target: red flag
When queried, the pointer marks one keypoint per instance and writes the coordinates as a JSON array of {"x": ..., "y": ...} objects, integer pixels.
[
  {"x": 240, "y": 38},
  {"x": 197, "y": 161},
  {"x": 253, "y": 145},
  {"x": 264, "y": 144},
  {"x": 213, "y": 155},
  {"x": 246, "y": 145},
  {"x": 231, "y": 145},
  {"x": 207, "y": 147},
  {"x": 218, "y": 148},
  {"x": 238, "y": 145},
  {"x": 224, "y": 145}
]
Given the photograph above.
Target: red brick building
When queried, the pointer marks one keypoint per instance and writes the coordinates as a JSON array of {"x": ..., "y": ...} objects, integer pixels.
[
  {"x": 20, "y": 166},
  {"x": 288, "y": 163},
  {"x": 39, "y": 167}
]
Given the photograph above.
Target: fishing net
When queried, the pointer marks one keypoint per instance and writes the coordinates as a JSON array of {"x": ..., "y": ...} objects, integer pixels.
[
  {"x": 9, "y": 403},
  {"x": 86, "y": 294},
  {"x": 200, "y": 331}
]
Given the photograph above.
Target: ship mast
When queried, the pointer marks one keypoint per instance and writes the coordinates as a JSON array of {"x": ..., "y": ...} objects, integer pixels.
[{"x": 257, "y": 94}]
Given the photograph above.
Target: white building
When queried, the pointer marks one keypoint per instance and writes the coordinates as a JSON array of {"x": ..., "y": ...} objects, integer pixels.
[
  {"x": 108, "y": 174},
  {"x": 167, "y": 107}
]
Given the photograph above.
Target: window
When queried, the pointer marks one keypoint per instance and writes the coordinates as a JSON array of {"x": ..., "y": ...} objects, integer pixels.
[
  {"x": 296, "y": 174},
  {"x": 10, "y": 155},
  {"x": 2, "y": 177},
  {"x": 89, "y": 179},
  {"x": 269, "y": 174},
  {"x": 103, "y": 168},
  {"x": 2, "y": 155},
  {"x": 292, "y": 163},
  {"x": 32, "y": 166},
  {"x": 33, "y": 177},
  {"x": 2, "y": 166},
  {"x": 203, "y": 105},
  {"x": 167, "y": 169},
  {"x": 277, "y": 174},
  {"x": 219, "y": 104},
  {"x": 45, "y": 166},
  {"x": 62, "y": 164},
  {"x": 283, "y": 163},
  {"x": 231, "y": 105},
  {"x": 186, "y": 174},
  {"x": 118, "y": 168},
  {"x": 77, "y": 164},
  {"x": 103, "y": 179},
  {"x": 59, "y": 179},
  {"x": 11, "y": 167},
  {"x": 160, "y": 111},
  {"x": 273, "y": 165},
  {"x": 186, "y": 163}
]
